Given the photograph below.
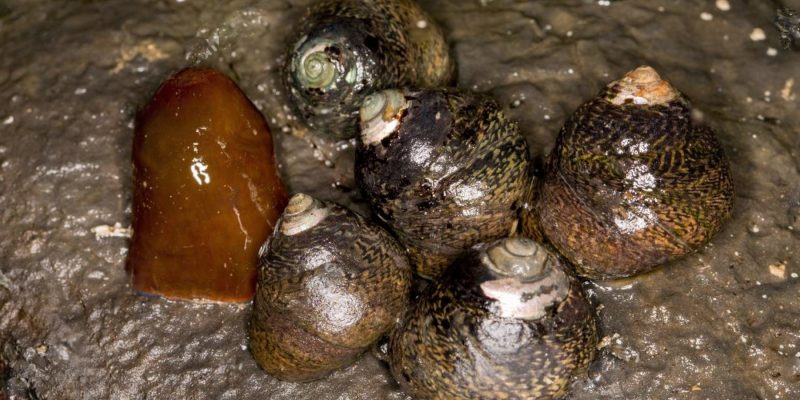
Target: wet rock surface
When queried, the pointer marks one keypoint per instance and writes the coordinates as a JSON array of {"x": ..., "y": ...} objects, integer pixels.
[{"x": 720, "y": 323}]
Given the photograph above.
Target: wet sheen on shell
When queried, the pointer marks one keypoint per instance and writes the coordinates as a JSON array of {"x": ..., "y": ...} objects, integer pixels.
[
  {"x": 505, "y": 321},
  {"x": 330, "y": 284},
  {"x": 445, "y": 169},
  {"x": 634, "y": 181}
]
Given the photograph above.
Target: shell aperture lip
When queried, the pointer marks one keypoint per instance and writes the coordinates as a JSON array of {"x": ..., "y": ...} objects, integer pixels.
[{"x": 380, "y": 115}]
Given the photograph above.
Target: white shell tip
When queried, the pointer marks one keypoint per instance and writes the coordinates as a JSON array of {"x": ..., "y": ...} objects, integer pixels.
[{"x": 643, "y": 86}]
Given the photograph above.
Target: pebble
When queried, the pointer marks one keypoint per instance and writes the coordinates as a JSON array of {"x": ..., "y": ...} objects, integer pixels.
[
  {"x": 772, "y": 52},
  {"x": 706, "y": 16},
  {"x": 786, "y": 92},
  {"x": 723, "y": 5},
  {"x": 778, "y": 270},
  {"x": 757, "y": 35},
  {"x": 105, "y": 231}
]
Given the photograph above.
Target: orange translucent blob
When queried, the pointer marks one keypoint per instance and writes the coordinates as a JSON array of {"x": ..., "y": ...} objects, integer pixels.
[{"x": 207, "y": 192}]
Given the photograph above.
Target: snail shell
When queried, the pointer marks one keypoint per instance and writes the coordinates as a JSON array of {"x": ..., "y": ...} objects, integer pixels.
[
  {"x": 507, "y": 320},
  {"x": 347, "y": 49},
  {"x": 444, "y": 169},
  {"x": 330, "y": 283},
  {"x": 206, "y": 190},
  {"x": 634, "y": 181}
]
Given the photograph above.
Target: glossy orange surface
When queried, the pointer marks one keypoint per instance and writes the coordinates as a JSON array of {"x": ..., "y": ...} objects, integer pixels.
[{"x": 207, "y": 192}]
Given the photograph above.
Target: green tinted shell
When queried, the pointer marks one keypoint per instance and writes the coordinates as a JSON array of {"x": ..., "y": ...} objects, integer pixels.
[
  {"x": 634, "y": 181},
  {"x": 444, "y": 169},
  {"x": 506, "y": 321},
  {"x": 330, "y": 283},
  {"x": 347, "y": 49}
]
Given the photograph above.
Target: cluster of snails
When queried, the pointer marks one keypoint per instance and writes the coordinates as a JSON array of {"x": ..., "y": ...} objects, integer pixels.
[{"x": 634, "y": 181}]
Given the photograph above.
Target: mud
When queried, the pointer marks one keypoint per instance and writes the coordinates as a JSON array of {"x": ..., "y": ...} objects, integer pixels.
[{"x": 723, "y": 323}]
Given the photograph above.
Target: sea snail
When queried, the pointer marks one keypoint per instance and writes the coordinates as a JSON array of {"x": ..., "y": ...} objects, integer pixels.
[
  {"x": 444, "y": 169},
  {"x": 635, "y": 180},
  {"x": 505, "y": 321},
  {"x": 347, "y": 49},
  {"x": 206, "y": 190},
  {"x": 330, "y": 284}
]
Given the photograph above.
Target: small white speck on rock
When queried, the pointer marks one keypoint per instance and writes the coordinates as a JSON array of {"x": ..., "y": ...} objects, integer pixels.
[
  {"x": 706, "y": 16},
  {"x": 757, "y": 35}
]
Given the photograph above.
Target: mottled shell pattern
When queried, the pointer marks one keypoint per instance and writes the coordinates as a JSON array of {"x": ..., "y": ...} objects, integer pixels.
[
  {"x": 348, "y": 49},
  {"x": 506, "y": 321},
  {"x": 635, "y": 180},
  {"x": 444, "y": 169},
  {"x": 330, "y": 283}
]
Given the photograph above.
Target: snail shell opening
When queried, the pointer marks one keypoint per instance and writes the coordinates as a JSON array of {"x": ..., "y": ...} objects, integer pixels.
[
  {"x": 380, "y": 115},
  {"x": 530, "y": 281},
  {"x": 301, "y": 214},
  {"x": 643, "y": 86}
]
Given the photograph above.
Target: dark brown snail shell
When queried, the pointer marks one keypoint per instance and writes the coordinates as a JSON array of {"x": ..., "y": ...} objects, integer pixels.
[
  {"x": 330, "y": 284},
  {"x": 444, "y": 169},
  {"x": 506, "y": 321},
  {"x": 206, "y": 190},
  {"x": 634, "y": 181},
  {"x": 347, "y": 49}
]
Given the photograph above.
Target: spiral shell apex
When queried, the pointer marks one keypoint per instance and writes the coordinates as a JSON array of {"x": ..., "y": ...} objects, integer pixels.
[
  {"x": 507, "y": 320},
  {"x": 330, "y": 283},
  {"x": 349, "y": 48},
  {"x": 634, "y": 181},
  {"x": 445, "y": 170}
]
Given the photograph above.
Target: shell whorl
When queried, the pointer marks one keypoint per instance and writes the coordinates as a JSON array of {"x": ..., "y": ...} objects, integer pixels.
[
  {"x": 380, "y": 115},
  {"x": 301, "y": 214},
  {"x": 529, "y": 278},
  {"x": 643, "y": 86},
  {"x": 315, "y": 66}
]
